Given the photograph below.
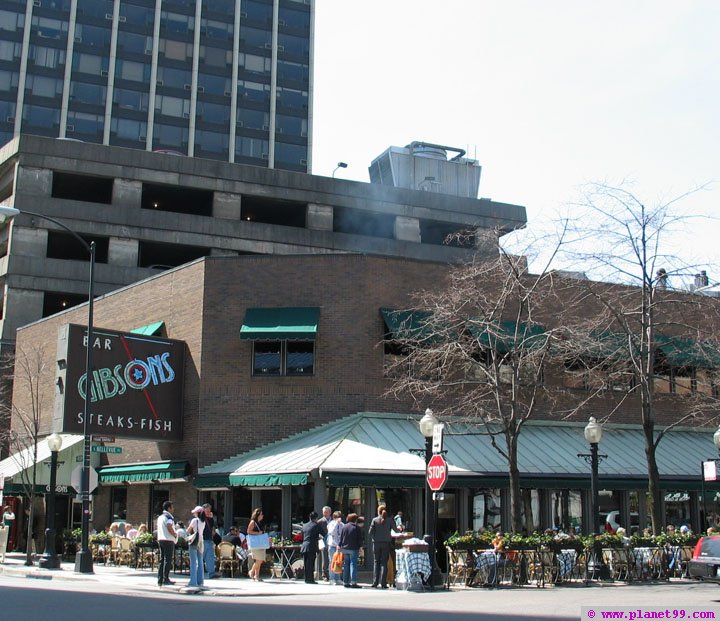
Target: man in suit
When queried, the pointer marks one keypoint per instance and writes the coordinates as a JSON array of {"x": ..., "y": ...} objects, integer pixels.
[{"x": 312, "y": 531}]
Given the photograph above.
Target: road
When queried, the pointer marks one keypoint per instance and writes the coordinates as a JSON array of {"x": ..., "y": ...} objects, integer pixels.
[{"x": 77, "y": 600}]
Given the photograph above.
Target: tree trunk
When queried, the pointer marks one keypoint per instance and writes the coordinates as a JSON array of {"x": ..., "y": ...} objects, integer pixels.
[
  {"x": 515, "y": 495},
  {"x": 654, "y": 490}
]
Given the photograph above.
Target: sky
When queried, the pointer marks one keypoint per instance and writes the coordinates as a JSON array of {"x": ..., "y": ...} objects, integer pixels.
[{"x": 547, "y": 95}]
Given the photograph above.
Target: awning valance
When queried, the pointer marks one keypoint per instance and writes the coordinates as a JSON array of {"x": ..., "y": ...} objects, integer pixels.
[
  {"x": 152, "y": 329},
  {"x": 134, "y": 473},
  {"x": 268, "y": 480},
  {"x": 686, "y": 352},
  {"x": 280, "y": 324}
]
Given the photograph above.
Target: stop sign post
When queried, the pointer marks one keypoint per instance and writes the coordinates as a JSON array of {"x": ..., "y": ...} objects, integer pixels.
[{"x": 437, "y": 473}]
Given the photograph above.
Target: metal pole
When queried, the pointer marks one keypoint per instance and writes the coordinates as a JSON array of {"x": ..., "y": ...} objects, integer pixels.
[
  {"x": 49, "y": 559},
  {"x": 83, "y": 560},
  {"x": 594, "y": 497},
  {"x": 436, "y": 578}
]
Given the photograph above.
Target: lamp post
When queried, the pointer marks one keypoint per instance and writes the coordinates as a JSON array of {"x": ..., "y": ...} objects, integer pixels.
[
  {"x": 593, "y": 435},
  {"x": 716, "y": 440},
  {"x": 49, "y": 559},
  {"x": 427, "y": 424},
  {"x": 83, "y": 559},
  {"x": 339, "y": 165}
]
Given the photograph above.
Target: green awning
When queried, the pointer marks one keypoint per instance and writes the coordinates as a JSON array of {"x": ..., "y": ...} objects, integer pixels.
[
  {"x": 155, "y": 471},
  {"x": 268, "y": 480},
  {"x": 204, "y": 481},
  {"x": 152, "y": 329},
  {"x": 280, "y": 324},
  {"x": 404, "y": 325},
  {"x": 506, "y": 336},
  {"x": 687, "y": 352}
]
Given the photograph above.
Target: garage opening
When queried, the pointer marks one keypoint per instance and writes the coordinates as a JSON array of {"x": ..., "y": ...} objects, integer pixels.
[
  {"x": 82, "y": 188},
  {"x": 177, "y": 199}
]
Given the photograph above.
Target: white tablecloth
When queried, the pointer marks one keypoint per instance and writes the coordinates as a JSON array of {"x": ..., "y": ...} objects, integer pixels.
[{"x": 410, "y": 563}]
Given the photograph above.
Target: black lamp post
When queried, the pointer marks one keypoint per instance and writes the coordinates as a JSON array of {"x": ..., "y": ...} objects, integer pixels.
[
  {"x": 83, "y": 559},
  {"x": 427, "y": 424},
  {"x": 593, "y": 434},
  {"x": 716, "y": 440},
  {"x": 50, "y": 559}
]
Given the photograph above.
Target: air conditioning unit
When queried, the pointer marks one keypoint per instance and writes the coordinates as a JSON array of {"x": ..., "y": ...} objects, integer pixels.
[
  {"x": 266, "y": 127},
  {"x": 268, "y": 46},
  {"x": 186, "y": 115},
  {"x": 37, "y": 3},
  {"x": 69, "y": 128},
  {"x": 10, "y": 119},
  {"x": 201, "y": 89},
  {"x": 122, "y": 19},
  {"x": 187, "y": 87},
  {"x": 282, "y": 22},
  {"x": 103, "y": 72},
  {"x": 265, "y": 156},
  {"x": 148, "y": 51},
  {"x": 108, "y": 16},
  {"x": 304, "y": 162},
  {"x": 77, "y": 39},
  {"x": 142, "y": 138},
  {"x": 281, "y": 48},
  {"x": 159, "y": 83},
  {"x": 303, "y": 134},
  {"x": 228, "y": 94},
  {"x": 239, "y": 124}
]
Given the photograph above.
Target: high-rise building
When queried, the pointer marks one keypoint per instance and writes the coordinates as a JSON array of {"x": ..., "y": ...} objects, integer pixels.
[{"x": 227, "y": 80}]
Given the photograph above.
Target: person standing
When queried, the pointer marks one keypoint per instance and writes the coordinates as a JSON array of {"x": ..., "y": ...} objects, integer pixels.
[
  {"x": 325, "y": 557},
  {"x": 381, "y": 529},
  {"x": 351, "y": 540},
  {"x": 208, "y": 543},
  {"x": 258, "y": 555},
  {"x": 195, "y": 547},
  {"x": 166, "y": 537},
  {"x": 312, "y": 532},
  {"x": 333, "y": 540}
]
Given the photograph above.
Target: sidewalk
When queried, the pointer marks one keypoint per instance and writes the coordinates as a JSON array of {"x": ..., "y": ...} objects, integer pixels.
[{"x": 146, "y": 580}]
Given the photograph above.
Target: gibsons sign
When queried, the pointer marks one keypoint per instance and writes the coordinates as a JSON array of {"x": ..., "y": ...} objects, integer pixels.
[{"x": 136, "y": 385}]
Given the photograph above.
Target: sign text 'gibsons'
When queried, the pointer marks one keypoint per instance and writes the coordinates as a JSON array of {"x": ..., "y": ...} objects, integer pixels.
[{"x": 135, "y": 385}]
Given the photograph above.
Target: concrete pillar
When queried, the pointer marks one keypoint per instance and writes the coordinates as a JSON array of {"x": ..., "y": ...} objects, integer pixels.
[
  {"x": 407, "y": 229},
  {"x": 463, "y": 498},
  {"x": 127, "y": 193},
  {"x": 486, "y": 241},
  {"x": 123, "y": 251},
  {"x": 227, "y": 205},
  {"x": 36, "y": 181},
  {"x": 28, "y": 242},
  {"x": 319, "y": 494},
  {"x": 319, "y": 217},
  {"x": 22, "y": 306}
]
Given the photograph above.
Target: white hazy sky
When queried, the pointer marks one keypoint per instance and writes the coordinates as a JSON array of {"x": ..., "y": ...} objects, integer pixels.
[{"x": 546, "y": 94}]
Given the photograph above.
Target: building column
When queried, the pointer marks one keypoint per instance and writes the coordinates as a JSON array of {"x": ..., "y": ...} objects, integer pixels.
[
  {"x": 127, "y": 193},
  {"x": 123, "y": 252},
  {"x": 695, "y": 524},
  {"x": 407, "y": 229},
  {"x": 463, "y": 500},
  {"x": 286, "y": 512},
  {"x": 319, "y": 217},
  {"x": 505, "y": 509},
  {"x": 226, "y": 205}
]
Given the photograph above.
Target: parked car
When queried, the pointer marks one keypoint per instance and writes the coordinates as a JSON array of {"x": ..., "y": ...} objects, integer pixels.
[{"x": 705, "y": 563}]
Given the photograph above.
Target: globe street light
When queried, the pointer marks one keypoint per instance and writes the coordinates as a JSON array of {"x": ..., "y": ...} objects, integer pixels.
[
  {"x": 716, "y": 439},
  {"x": 593, "y": 434},
  {"x": 83, "y": 560},
  {"x": 50, "y": 559}
]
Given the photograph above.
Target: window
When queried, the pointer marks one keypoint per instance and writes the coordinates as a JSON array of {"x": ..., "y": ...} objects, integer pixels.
[
  {"x": 118, "y": 503},
  {"x": 283, "y": 358}
]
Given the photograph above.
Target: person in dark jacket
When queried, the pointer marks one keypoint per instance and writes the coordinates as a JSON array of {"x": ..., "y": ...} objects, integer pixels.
[
  {"x": 312, "y": 532},
  {"x": 351, "y": 540},
  {"x": 381, "y": 529}
]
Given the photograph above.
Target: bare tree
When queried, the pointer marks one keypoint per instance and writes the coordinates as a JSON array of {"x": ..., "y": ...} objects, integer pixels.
[
  {"x": 476, "y": 350},
  {"x": 27, "y": 368},
  {"x": 639, "y": 338}
]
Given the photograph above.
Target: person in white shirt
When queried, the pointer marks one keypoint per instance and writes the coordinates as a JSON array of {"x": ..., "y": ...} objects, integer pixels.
[{"x": 166, "y": 537}]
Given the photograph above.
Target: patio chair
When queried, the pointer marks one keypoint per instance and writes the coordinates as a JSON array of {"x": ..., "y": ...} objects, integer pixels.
[
  {"x": 227, "y": 558},
  {"x": 461, "y": 568}
]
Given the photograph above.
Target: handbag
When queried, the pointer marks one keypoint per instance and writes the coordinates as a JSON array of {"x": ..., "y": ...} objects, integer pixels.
[
  {"x": 336, "y": 566},
  {"x": 258, "y": 542},
  {"x": 192, "y": 538}
]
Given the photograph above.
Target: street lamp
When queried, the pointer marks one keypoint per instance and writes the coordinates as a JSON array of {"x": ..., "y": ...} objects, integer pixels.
[
  {"x": 339, "y": 165},
  {"x": 716, "y": 439},
  {"x": 49, "y": 559},
  {"x": 427, "y": 426},
  {"x": 593, "y": 435},
  {"x": 83, "y": 559}
]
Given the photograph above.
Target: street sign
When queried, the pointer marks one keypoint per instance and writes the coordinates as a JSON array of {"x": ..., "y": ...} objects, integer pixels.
[
  {"x": 103, "y": 438},
  {"x": 437, "y": 438},
  {"x": 106, "y": 449},
  {"x": 437, "y": 473},
  {"x": 76, "y": 479}
]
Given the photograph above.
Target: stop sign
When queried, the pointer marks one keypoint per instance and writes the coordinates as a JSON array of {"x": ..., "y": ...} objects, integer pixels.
[{"x": 437, "y": 473}]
